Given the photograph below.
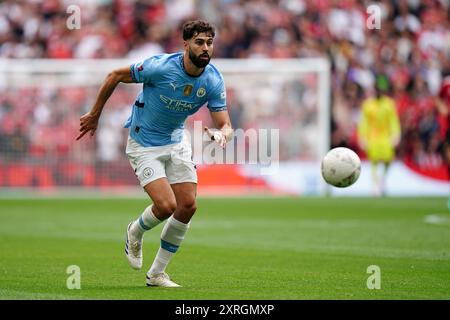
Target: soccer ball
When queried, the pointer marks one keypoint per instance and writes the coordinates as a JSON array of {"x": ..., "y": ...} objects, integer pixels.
[{"x": 341, "y": 167}]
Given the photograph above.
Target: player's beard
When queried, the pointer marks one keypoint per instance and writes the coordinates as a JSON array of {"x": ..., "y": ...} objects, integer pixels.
[{"x": 199, "y": 63}]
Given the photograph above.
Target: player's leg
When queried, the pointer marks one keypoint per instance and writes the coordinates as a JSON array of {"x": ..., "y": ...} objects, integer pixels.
[
  {"x": 173, "y": 233},
  {"x": 386, "y": 156},
  {"x": 384, "y": 176},
  {"x": 149, "y": 166},
  {"x": 163, "y": 206},
  {"x": 182, "y": 176},
  {"x": 375, "y": 177},
  {"x": 380, "y": 152},
  {"x": 372, "y": 155},
  {"x": 185, "y": 194}
]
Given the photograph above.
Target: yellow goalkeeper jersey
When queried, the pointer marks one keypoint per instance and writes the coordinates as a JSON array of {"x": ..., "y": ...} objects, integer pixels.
[{"x": 379, "y": 128}]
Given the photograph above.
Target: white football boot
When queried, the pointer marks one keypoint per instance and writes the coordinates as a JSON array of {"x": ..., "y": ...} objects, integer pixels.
[
  {"x": 133, "y": 250},
  {"x": 160, "y": 280}
]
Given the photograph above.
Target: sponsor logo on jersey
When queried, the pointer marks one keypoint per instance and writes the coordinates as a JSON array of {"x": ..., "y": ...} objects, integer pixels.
[{"x": 176, "y": 105}]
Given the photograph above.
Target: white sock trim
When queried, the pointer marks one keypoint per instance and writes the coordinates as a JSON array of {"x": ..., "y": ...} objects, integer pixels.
[
  {"x": 148, "y": 220},
  {"x": 171, "y": 237},
  {"x": 145, "y": 222},
  {"x": 178, "y": 224}
]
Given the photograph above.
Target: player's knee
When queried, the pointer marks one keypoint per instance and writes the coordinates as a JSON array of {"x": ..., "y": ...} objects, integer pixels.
[
  {"x": 189, "y": 207},
  {"x": 166, "y": 207}
]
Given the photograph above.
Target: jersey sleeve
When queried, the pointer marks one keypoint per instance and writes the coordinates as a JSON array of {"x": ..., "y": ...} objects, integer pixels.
[
  {"x": 144, "y": 71},
  {"x": 217, "y": 100}
]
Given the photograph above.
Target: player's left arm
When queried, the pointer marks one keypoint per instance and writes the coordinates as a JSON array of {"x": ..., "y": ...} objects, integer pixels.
[{"x": 225, "y": 131}]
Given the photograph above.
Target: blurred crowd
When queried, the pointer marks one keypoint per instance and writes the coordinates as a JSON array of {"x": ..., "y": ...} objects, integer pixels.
[{"x": 412, "y": 47}]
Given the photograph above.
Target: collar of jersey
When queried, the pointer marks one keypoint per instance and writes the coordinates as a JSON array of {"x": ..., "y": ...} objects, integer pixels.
[{"x": 182, "y": 67}]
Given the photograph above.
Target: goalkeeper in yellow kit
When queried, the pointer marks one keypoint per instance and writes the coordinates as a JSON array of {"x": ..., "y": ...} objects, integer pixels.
[{"x": 379, "y": 131}]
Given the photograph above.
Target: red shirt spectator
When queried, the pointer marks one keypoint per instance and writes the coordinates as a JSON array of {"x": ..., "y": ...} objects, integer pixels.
[{"x": 443, "y": 105}]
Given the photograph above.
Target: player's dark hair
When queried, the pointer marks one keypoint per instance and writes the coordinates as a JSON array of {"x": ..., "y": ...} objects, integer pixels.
[{"x": 192, "y": 28}]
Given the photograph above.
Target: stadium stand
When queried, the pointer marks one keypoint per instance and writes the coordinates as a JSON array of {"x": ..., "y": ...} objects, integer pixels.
[{"x": 413, "y": 49}]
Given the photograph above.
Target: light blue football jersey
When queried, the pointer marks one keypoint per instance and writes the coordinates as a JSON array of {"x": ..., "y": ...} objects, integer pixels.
[{"x": 169, "y": 95}]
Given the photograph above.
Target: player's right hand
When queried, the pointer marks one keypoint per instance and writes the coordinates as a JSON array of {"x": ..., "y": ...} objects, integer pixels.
[{"x": 88, "y": 123}]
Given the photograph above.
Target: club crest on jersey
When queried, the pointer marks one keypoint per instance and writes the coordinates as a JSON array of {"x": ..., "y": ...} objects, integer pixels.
[
  {"x": 201, "y": 92},
  {"x": 187, "y": 90}
]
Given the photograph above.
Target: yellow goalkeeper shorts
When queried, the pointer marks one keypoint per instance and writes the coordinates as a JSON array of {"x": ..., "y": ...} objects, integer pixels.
[{"x": 380, "y": 151}]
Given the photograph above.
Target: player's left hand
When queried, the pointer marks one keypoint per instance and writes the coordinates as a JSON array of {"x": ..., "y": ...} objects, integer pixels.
[{"x": 217, "y": 136}]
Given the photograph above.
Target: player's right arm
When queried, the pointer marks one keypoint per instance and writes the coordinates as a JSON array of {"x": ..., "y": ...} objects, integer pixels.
[{"x": 89, "y": 121}]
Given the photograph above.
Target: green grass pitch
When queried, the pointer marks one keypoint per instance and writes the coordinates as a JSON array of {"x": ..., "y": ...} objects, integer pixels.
[{"x": 267, "y": 248}]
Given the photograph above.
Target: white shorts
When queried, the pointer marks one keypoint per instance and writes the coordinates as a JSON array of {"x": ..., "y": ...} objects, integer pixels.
[{"x": 172, "y": 161}]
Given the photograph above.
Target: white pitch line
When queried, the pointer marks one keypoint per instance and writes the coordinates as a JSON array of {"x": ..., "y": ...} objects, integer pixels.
[{"x": 438, "y": 218}]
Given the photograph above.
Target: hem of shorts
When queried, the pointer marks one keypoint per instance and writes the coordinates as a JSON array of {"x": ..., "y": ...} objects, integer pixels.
[
  {"x": 184, "y": 181},
  {"x": 143, "y": 184},
  {"x": 146, "y": 182}
]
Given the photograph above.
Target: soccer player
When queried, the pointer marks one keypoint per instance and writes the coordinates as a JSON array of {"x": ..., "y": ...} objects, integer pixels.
[
  {"x": 379, "y": 131},
  {"x": 443, "y": 106},
  {"x": 174, "y": 87}
]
